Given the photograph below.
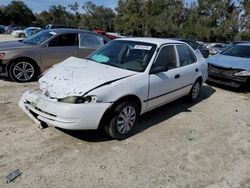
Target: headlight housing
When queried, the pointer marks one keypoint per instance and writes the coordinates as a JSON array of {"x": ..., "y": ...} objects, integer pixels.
[
  {"x": 80, "y": 100},
  {"x": 243, "y": 73}
]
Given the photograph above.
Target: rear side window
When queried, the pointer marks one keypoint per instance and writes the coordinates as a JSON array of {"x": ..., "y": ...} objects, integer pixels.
[
  {"x": 91, "y": 41},
  {"x": 167, "y": 57},
  {"x": 186, "y": 56},
  {"x": 64, "y": 40}
]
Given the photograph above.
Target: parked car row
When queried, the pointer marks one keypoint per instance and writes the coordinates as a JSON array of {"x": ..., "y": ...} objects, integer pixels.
[{"x": 26, "y": 33}]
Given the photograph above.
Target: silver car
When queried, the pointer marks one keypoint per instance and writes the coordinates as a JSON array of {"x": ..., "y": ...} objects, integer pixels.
[{"x": 24, "y": 60}]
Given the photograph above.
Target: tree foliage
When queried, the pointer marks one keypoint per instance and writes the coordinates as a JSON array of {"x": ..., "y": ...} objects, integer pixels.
[
  {"x": 205, "y": 20},
  {"x": 16, "y": 12}
]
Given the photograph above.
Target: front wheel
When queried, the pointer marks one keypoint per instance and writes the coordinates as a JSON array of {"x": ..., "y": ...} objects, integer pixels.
[
  {"x": 23, "y": 71},
  {"x": 123, "y": 121},
  {"x": 195, "y": 91}
]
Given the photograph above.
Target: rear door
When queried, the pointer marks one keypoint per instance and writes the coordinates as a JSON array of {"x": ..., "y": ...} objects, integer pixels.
[
  {"x": 59, "y": 48},
  {"x": 88, "y": 43},
  {"x": 189, "y": 69}
]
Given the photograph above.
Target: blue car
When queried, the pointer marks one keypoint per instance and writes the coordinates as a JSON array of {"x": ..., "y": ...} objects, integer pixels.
[
  {"x": 231, "y": 67},
  {"x": 31, "y": 31}
]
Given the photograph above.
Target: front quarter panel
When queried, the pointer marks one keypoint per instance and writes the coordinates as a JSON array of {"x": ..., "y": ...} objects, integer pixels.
[{"x": 136, "y": 85}]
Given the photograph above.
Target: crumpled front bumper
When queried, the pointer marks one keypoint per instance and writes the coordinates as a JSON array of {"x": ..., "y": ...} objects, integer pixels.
[{"x": 42, "y": 109}]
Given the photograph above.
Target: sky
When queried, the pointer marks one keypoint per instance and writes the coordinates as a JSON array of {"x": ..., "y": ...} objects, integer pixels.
[{"x": 39, "y": 5}]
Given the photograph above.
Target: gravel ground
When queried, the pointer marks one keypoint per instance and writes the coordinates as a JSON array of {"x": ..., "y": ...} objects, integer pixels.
[{"x": 206, "y": 144}]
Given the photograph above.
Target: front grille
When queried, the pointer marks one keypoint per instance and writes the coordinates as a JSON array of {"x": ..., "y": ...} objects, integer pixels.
[{"x": 222, "y": 71}]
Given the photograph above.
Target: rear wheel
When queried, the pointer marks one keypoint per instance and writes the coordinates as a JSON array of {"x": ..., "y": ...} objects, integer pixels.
[
  {"x": 122, "y": 121},
  {"x": 23, "y": 70},
  {"x": 195, "y": 91}
]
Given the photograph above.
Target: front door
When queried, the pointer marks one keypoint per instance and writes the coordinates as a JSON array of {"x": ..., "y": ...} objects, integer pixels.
[
  {"x": 165, "y": 86},
  {"x": 59, "y": 49}
]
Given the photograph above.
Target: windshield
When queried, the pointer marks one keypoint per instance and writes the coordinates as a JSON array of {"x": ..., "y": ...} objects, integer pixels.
[
  {"x": 123, "y": 54},
  {"x": 39, "y": 37},
  {"x": 238, "y": 51}
]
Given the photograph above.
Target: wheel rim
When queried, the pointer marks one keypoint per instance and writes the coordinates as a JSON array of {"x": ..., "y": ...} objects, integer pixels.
[
  {"x": 196, "y": 90},
  {"x": 23, "y": 71},
  {"x": 126, "y": 119}
]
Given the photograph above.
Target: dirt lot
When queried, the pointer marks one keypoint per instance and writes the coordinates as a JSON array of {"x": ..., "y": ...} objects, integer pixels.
[{"x": 206, "y": 144}]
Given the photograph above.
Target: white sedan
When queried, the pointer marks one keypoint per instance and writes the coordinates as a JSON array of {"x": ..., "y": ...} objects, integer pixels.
[{"x": 114, "y": 85}]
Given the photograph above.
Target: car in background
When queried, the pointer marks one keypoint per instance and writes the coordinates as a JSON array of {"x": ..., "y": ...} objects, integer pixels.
[
  {"x": 231, "y": 67},
  {"x": 24, "y": 60},
  {"x": 216, "y": 48},
  {"x": 198, "y": 47},
  {"x": 2, "y": 29},
  {"x": 115, "y": 85},
  {"x": 55, "y": 26},
  {"x": 104, "y": 33},
  {"x": 234, "y": 43},
  {"x": 26, "y": 33},
  {"x": 13, "y": 27}
]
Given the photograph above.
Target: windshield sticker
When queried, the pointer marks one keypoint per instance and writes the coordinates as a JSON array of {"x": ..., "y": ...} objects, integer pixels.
[
  {"x": 52, "y": 33},
  {"x": 142, "y": 47}
]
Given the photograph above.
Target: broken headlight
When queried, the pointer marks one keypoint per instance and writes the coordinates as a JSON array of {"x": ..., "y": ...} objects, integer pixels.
[
  {"x": 243, "y": 73},
  {"x": 80, "y": 100}
]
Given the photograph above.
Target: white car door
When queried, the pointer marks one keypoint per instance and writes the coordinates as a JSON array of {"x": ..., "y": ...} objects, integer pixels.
[
  {"x": 165, "y": 86},
  {"x": 190, "y": 68}
]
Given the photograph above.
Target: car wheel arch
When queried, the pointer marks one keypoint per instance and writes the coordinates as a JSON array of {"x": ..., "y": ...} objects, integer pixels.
[
  {"x": 108, "y": 112},
  {"x": 21, "y": 59}
]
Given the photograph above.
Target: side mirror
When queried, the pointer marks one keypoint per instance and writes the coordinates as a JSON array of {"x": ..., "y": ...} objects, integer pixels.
[{"x": 157, "y": 69}]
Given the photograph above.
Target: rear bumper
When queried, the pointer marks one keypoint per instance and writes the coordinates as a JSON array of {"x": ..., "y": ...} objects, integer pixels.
[
  {"x": 63, "y": 115},
  {"x": 234, "y": 81}
]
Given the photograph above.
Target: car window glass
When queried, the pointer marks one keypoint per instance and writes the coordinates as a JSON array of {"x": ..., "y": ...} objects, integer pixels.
[
  {"x": 124, "y": 54},
  {"x": 64, "y": 40},
  {"x": 186, "y": 56},
  {"x": 91, "y": 41},
  {"x": 238, "y": 51},
  {"x": 167, "y": 57}
]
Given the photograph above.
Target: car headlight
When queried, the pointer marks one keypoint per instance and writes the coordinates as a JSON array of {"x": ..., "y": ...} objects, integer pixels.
[
  {"x": 243, "y": 73},
  {"x": 80, "y": 100}
]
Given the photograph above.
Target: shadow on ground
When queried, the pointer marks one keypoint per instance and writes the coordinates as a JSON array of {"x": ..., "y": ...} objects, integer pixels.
[
  {"x": 149, "y": 119},
  {"x": 243, "y": 89}
]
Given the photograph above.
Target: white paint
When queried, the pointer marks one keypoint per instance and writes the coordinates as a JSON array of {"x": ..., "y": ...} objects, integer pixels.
[{"x": 78, "y": 77}]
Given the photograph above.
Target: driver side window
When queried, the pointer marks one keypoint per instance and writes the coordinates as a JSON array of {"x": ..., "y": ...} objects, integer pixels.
[{"x": 167, "y": 57}]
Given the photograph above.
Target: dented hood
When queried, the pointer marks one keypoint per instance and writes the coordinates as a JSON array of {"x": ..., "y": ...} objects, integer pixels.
[{"x": 75, "y": 77}]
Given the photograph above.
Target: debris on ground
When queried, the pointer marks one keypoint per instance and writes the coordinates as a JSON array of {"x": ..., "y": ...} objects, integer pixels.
[{"x": 13, "y": 175}]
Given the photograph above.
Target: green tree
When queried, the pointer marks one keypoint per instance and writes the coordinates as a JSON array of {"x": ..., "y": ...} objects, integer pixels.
[
  {"x": 17, "y": 12},
  {"x": 57, "y": 15},
  {"x": 97, "y": 17}
]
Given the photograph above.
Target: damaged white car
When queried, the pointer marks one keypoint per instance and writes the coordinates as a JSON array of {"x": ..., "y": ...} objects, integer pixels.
[{"x": 114, "y": 85}]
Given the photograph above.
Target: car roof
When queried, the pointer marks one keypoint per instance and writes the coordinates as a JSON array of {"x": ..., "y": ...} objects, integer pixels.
[
  {"x": 243, "y": 44},
  {"x": 157, "y": 41},
  {"x": 69, "y": 30}
]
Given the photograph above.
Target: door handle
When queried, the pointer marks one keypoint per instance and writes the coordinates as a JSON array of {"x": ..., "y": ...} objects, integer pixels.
[
  {"x": 196, "y": 70},
  {"x": 177, "y": 76}
]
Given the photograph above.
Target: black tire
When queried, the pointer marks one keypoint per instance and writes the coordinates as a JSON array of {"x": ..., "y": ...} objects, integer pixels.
[
  {"x": 113, "y": 128},
  {"x": 15, "y": 69},
  {"x": 195, "y": 91}
]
